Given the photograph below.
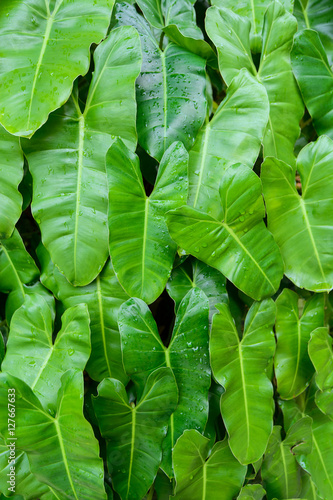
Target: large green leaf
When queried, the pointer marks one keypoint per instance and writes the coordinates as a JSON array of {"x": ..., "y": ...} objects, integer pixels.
[
  {"x": 45, "y": 46},
  {"x": 254, "y": 11},
  {"x": 231, "y": 35},
  {"x": 194, "y": 273},
  {"x": 143, "y": 254},
  {"x": 34, "y": 358},
  {"x": 11, "y": 173},
  {"x": 201, "y": 475},
  {"x": 318, "y": 15},
  {"x": 251, "y": 492},
  {"x": 103, "y": 297},
  {"x": 62, "y": 450},
  {"x": 293, "y": 367},
  {"x": 280, "y": 471},
  {"x": 233, "y": 135},
  {"x": 236, "y": 241},
  {"x": 178, "y": 21},
  {"x": 67, "y": 160},
  {"x": 321, "y": 354},
  {"x": 302, "y": 225},
  {"x": 171, "y": 100},
  {"x": 187, "y": 355},
  {"x": 239, "y": 365},
  {"x": 309, "y": 490},
  {"x": 135, "y": 432},
  {"x": 315, "y": 79}
]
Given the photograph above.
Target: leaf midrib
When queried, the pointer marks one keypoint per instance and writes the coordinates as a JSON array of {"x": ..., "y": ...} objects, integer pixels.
[{"x": 65, "y": 461}]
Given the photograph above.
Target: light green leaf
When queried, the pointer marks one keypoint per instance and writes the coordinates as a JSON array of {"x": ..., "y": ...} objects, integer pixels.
[
  {"x": 11, "y": 173},
  {"x": 187, "y": 356},
  {"x": 231, "y": 35},
  {"x": 67, "y": 160},
  {"x": 62, "y": 451},
  {"x": 309, "y": 490},
  {"x": 280, "y": 471},
  {"x": 317, "y": 15},
  {"x": 252, "y": 492},
  {"x": 178, "y": 21},
  {"x": 45, "y": 47},
  {"x": 321, "y": 354},
  {"x": 103, "y": 297},
  {"x": 233, "y": 135},
  {"x": 293, "y": 367},
  {"x": 302, "y": 225},
  {"x": 239, "y": 365},
  {"x": 172, "y": 102},
  {"x": 254, "y": 11},
  {"x": 201, "y": 475},
  {"x": 315, "y": 79},
  {"x": 143, "y": 255},
  {"x": 194, "y": 273},
  {"x": 236, "y": 240},
  {"x": 34, "y": 358},
  {"x": 135, "y": 433}
]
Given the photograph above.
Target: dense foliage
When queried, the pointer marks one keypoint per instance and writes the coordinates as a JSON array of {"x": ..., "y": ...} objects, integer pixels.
[{"x": 166, "y": 249}]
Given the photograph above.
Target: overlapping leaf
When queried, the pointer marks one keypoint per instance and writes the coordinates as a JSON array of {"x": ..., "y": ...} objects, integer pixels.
[
  {"x": 293, "y": 367},
  {"x": 302, "y": 225},
  {"x": 252, "y": 492},
  {"x": 231, "y": 35},
  {"x": 135, "y": 432},
  {"x": 236, "y": 241},
  {"x": 187, "y": 356},
  {"x": 141, "y": 249},
  {"x": 315, "y": 79},
  {"x": 239, "y": 365},
  {"x": 67, "y": 160},
  {"x": 321, "y": 354},
  {"x": 201, "y": 475},
  {"x": 171, "y": 89},
  {"x": 45, "y": 47},
  {"x": 62, "y": 451},
  {"x": 34, "y": 358}
]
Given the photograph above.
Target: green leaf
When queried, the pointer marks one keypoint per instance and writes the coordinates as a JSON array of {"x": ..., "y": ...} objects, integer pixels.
[
  {"x": 280, "y": 471},
  {"x": 231, "y": 35},
  {"x": 194, "y": 273},
  {"x": 302, "y": 225},
  {"x": 45, "y": 47},
  {"x": 187, "y": 356},
  {"x": 293, "y": 368},
  {"x": 67, "y": 158},
  {"x": 199, "y": 474},
  {"x": 315, "y": 79},
  {"x": 254, "y": 11},
  {"x": 317, "y": 15},
  {"x": 233, "y": 135},
  {"x": 143, "y": 255},
  {"x": 135, "y": 433},
  {"x": 62, "y": 450},
  {"x": 252, "y": 492},
  {"x": 309, "y": 490},
  {"x": 172, "y": 103},
  {"x": 34, "y": 358},
  {"x": 103, "y": 297},
  {"x": 235, "y": 241},
  {"x": 321, "y": 354},
  {"x": 11, "y": 173},
  {"x": 239, "y": 365},
  {"x": 178, "y": 21}
]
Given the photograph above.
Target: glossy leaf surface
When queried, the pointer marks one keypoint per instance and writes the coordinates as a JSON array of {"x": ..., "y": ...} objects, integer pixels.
[
  {"x": 46, "y": 46},
  {"x": 134, "y": 457},
  {"x": 302, "y": 225},
  {"x": 141, "y": 249},
  {"x": 293, "y": 367},
  {"x": 67, "y": 160},
  {"x": 187, "y": 356},
  {"x": 236, "y": 242},
  {"x": 321, "y": 354},
  {"x": 201, "y": 475},
  {"x": 239, "y": 365}
]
